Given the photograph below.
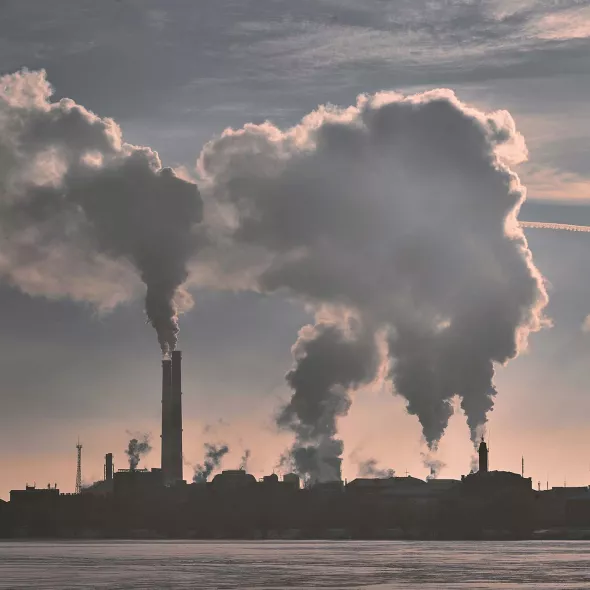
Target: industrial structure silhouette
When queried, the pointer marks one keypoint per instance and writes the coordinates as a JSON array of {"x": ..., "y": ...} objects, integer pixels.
[{"x": 234, "y": 504}]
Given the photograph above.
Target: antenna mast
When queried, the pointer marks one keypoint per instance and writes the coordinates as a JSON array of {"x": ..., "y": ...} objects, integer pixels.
[{"x": 79, "y": 468}]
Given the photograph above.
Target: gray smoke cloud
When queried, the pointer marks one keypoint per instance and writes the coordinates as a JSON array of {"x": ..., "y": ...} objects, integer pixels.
[
  {"x": 368, "y": 468},
  {"x": 84, "y": 215},
  {"x": 401, "y": 210},
  {"x": 213, "y": 456},
  {"x": 137, "y": 448},
  {"x": 397, "y": 214},
  {"x": 329, "y": 360},
  {"x": 433, "y": 464},
  {"x": 244, "y": 460}
]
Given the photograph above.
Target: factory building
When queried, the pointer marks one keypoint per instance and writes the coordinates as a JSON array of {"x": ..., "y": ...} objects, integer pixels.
[
  {"x": 137, "y": 482},
  {"x": 234, "y": 504}
]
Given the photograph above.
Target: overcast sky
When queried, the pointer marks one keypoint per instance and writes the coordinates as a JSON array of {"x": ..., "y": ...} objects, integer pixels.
[{"x": 176, "y": 73}]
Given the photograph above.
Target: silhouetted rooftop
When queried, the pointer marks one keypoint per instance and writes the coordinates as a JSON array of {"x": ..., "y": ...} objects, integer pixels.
[
  {"x": 230, "y": 478},
  {"x": 407, "y": 481}
]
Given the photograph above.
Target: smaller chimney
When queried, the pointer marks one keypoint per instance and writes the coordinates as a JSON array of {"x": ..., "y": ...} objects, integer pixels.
[
  {"x": 483, "y": 457},
  {"x": 108, "y": 467}
]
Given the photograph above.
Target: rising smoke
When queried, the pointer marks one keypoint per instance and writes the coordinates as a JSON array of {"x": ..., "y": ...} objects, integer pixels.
[
  {"x": 213, "y": 456},
  {"x": 83, "y": 213},
  {"x": 394, "y": 218},
  {"x": 433, "y": 464},
  {"x": 137, "y": 448},
  {"x": 244, "y": 460},
  {"x": 402, "y": 211},
  {"x": 368, "y": 468},
  {"x": 329, "y": 360}
]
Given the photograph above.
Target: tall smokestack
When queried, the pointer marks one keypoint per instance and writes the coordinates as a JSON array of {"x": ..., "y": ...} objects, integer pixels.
[
  {"x": 166, "y": 403},
  {"x": 172, "y": 418},
  {"x": 108, "y": 467},
  {"x": 176, "y": 416},
  {"x": 483, "y": 457}
]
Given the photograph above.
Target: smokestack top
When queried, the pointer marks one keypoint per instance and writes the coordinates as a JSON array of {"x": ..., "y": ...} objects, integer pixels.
[{"x": 176, "y": 354}]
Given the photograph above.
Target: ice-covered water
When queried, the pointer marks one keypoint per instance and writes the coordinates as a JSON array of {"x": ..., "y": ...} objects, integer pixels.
[{"x": 386, "y": 565}]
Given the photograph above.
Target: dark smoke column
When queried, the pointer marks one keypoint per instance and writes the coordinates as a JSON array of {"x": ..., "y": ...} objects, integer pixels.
[{"x": 172, "y": 418}]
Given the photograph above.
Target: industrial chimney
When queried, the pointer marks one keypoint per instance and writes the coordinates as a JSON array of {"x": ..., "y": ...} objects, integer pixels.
[
  {"x": 108, "y": 467},
  {"x": 483, "y": 457},
  {"x": 172, "y": 418}
]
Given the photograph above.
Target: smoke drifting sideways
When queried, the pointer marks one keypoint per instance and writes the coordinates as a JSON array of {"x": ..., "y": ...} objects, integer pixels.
[
  {"x": 136, "y": 449},
  {"x": 84, "y": 214},
  {"x": 368, "y": 468},
  {"x": 401, "y": 213},
  {"x": 213, "y": 456}
]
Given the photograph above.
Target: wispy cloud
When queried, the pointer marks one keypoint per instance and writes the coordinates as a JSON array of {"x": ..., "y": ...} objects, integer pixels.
[
  {"x": 568, "y": 24},
  {"x": 557, "y": 185}
]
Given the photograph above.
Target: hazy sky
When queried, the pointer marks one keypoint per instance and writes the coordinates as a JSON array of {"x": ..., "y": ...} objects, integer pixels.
[{"x": 175, "y": 73}]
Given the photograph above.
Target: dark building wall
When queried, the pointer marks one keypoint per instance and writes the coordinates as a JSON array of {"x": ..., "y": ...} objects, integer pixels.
[
  {"x": 577, "y": 511},
  {"x": 135, "y": 484}
]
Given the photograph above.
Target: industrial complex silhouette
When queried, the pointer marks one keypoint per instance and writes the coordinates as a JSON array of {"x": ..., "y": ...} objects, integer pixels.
[{"x": 158, "y": 503}]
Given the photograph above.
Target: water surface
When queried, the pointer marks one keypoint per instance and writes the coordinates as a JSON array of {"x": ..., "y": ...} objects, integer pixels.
[{"x": 379, "y": 565}]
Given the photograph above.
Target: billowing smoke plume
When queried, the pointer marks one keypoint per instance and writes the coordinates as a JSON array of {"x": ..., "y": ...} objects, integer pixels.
[
  {"x": 245, "y": 459},
  {"x": 83, "y": 213},
  {"x": 402, "y": 211},
  {"x": 329, "y": 360},
  {"x": 369, "y": 468},
  {"x": 398, "y": 213},
  {"x": 213, "y": 456},
  {"x": 136, "y": 449}
]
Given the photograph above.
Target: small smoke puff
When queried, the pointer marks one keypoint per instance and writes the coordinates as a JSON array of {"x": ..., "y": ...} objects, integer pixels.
[
  {"x": 244, "y": 460},
  {"x": 368, "y": 468},
  {"x": 397, "y": 209},
  {"x": 137, "y": 448},
  {"x": 80, "y": 203},
  {"x": 433, "y": 464},
  {"x": 213, "y": 456}
]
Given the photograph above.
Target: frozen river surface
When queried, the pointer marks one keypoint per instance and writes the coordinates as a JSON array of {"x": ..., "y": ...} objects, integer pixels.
[{"x": 294, "y": 564}]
